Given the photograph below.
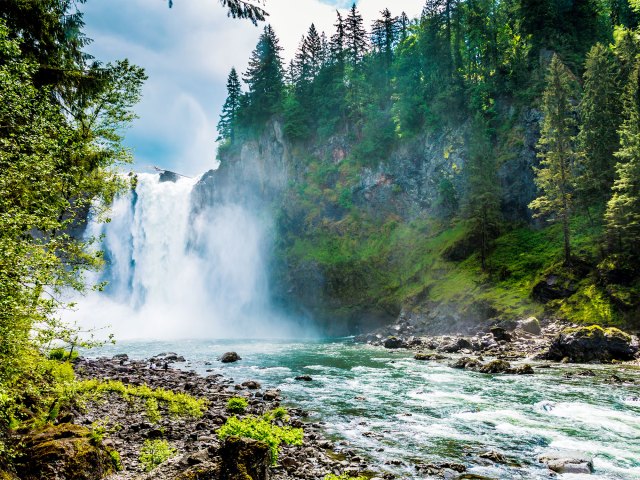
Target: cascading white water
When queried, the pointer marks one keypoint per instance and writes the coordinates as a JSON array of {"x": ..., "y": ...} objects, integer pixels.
[{"x": 172, "y": 274}]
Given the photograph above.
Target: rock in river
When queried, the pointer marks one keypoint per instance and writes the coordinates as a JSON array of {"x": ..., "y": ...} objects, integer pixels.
[
  {"x": 230, "y": 357},
  {"x": 394, "y": 342},
  {"x": 593, "y": 343},
  {"x": 567, "y": 462}
]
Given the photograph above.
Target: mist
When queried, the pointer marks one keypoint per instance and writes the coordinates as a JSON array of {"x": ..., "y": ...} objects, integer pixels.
[{"x": 173, "y": 273}]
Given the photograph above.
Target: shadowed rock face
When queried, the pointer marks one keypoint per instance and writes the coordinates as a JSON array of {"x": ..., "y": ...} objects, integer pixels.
[
  {"x": 244, "y": 459},
  {"x": 64, "y": 451},
  {"x": 589, "y": 344}
]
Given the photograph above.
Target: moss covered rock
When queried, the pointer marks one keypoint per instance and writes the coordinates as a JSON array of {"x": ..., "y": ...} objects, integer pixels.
[
  {"x": 63, "y": 452},
  {"x": 591, "y": 344},
  {"x": 245, "y": 459}
]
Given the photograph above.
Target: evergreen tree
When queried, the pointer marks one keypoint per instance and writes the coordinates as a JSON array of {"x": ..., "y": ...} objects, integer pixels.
[
  {"x": 314, "y": 48},
  {"x": 403, "y": 27},
  {"x": 555, "y": 176},
  {"x": 339, "y": 41},
  {"x": 355, "y": 36},
  {"x": 265, "y": 78},
  {"x": 623, "y": 210},
  {"x": 228, "y": 118},
  {"x": 384, "y": 34},
  {"x": 600, "y": 119},
  {"x": 483, "y": 191}
]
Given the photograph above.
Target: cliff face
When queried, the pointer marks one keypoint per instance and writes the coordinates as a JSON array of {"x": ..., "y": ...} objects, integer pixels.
[{"x": 328, "y": 209}]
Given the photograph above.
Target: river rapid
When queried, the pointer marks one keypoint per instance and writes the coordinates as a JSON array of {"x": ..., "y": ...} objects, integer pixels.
[{"x": 397, "y": 412}]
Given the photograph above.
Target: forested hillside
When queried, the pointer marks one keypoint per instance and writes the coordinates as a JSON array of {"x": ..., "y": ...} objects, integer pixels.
[{"x": 481, "y": 160}]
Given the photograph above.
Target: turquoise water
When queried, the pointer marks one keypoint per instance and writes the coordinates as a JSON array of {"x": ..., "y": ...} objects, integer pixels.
[{"x": 388, "y": 406}]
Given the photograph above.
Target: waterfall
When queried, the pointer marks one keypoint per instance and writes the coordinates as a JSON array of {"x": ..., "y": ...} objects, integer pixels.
[{"x": 173, "y": 274}]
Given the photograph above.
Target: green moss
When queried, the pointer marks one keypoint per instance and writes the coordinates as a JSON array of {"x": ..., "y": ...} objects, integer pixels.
[
  {"x": 593, "y": 331},
  {"x": 237, "y": 405}
]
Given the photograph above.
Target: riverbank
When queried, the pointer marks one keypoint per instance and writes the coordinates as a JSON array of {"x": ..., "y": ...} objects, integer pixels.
[{"x": 197, "y": 447}]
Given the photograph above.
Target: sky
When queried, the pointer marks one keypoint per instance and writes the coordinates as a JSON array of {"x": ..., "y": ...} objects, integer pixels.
[{"x": 187, "y": 52}]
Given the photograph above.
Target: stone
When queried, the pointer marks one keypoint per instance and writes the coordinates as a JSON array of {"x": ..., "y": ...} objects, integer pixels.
[
  {"x": 394, "y": 343},
  {"x": 64, "y": 451},
  {"x": 422, "y": 356},
  {"x": 271, "y": 395},
  {"x": 244, "y": 458},
  {"x": 496, "y": 366},
  {"x": 494, "y": 456},
  {"x": 304, "y": 378},
  {"x": 230, "y": 357},
  {"x": 456, "y": 345},
  {"x": 530, "y": 325},
  {"x": 251, "y": 385},
  {"x": 567, "y": 462},
  {"x": 524, "y": 369},
  {"x": 554, "y": 287},
  {"x": 593, "y": 343},
  {"x": 468, "y": 363},
  {"x": 500, "y": 334}
]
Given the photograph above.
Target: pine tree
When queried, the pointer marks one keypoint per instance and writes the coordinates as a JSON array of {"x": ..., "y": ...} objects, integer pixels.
[
  {"x": 355, "y": 36},
  {"x": 403, "y": 27},
  {"x": 483, "y": 191},
  {"x": 623, "y": 210},
  {"x": 338, "y": 41},
  {"x": 600, "y": 119},
  {"x": 228, "y": 118},
  {"x": 555, "y": 176},
  {"x": 384, "y": 34},
  {"x": 265, "y": 77},
  {"x": 314, "y": 47}
]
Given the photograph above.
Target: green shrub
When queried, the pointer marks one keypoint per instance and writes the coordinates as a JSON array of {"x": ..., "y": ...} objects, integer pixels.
[
  {"x": 237, "y": 405},
  {"x": 116, "y": 460},
  {"x": 261, "y": 428},
  {"x": 154, "y": 453},
  {"x": 62, "y": 354},
  {"x": 152, "y": 410},
  {"x": 279, "y": 413}
]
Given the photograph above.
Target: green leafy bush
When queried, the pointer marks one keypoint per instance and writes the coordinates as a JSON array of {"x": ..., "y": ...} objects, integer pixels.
[
  {"x": 116, "y": 460},
  {"x": 237, "y": 405},
  {"x": 262, "y": 428},
  {"x": 62, "y": 354},
  {"x": 344, "y": 476},
  {"x": 154, "y": 453},
  {"x": 152, "y": 410},
  {"x": 279, "y": 413}
]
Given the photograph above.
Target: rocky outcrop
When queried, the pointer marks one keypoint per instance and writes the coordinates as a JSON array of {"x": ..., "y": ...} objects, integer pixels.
[
  {"x": 567, "y": 462},
  {"x": 64, "y": 452},
  {"x": 591, "y": 344},
  {"x": 244, "y": 458},
  {"x": 230, "y": 357}
]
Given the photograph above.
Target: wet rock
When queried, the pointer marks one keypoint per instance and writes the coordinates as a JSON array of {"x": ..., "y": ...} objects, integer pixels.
[
  {"x": 500, "y": 334},
  {"x": 456, "y": 345},
  {"x": 494, "y": 456},
  {"x": 122, "y": 357},
  {"x": 304, "y": 378},
  {"x": 468, "y": 363},
  {"x": 496, "y": 366},
  {"x": 525, "y": 369},
  {"x": 422, "y": 356},
  {"x": 394, "y": 343},
  {"x": 251, "y": 385},
  {"x": 244, "y": 458},
  {"x": 64, "y": 451},
  {"x": 270, "y": 395},
  {"x": 567, "y": 462},
  {"x": 588, "y": 344},
  {"x": 230, "y": 357},
  {"x": 530, "y": 325}
]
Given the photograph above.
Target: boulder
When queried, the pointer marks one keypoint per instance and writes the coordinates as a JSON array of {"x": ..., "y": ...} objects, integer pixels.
[
  {"x": 589, "y": 344},
  {"x": 530, "y": 325},
  {"x": 64, "y": 451},
  {"x": 467, "y": 363},
  {"x": 244, "y": 459},
  {"x": 304, "y": 378},
  {"x": 496, "y": 366},
  {"x": 554, "y": 287},
  {"x": 230, "y": 357},
  {"x": 422, "y": 356},
  {"x": 525, "y": 369},
  {"x": 251, "y": 385},
  {"x": 500, "y": 334},
  {"x": 456, "y": 345},
  {"x": 567, "y": 462},
  {"x": 394, "y": 343}
]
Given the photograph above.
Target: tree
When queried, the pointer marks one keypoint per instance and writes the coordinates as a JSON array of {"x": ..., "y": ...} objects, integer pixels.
[
  {"x": 384, "y": 37},
  {"x": 338, "y": 41},
  {"x": 309, "y": 58},
  {"x": 242, "y": 9},
  {"x": 355, "y": 36},
  {"x": 228, "y": 118},
  {"x": 482, "y": 207},
  {"x": 555, "y": 176},
  {"x": 265, "y": 78},
  {"x": 600, "y": 119},
  {"x": 623, "y": 210},
  {"x": 403, "y": 27}
]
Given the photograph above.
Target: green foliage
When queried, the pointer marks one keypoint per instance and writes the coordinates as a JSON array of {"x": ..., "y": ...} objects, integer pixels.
[
  {"x": 177, "y": 404},
  {"x": 154, "y": 453},
  {"x": 237, "y": 405},
  {"x": 344, "y": 476},
  {"x": 262, "y": 428},
  {"x": 116, "y": 460},
  {"x": 62, "y": 354}
]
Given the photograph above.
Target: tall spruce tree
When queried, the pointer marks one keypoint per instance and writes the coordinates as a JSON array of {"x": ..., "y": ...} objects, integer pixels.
[
  {"x": 600, "y": 120},
  {"x": 265, "y": 78},
  {"x": 623, "y": 210},
  {"x": 482, "y": 207},
  {"x": 230, "y": 109},
  {"x": 555, "y": 176},
  {"x": 355, "y": 36},
  {"x": 403, "y": 27},
  {"x": 339, "y": 41}
]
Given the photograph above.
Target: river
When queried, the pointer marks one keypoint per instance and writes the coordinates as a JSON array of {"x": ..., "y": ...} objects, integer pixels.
[{"x": 387, "y": 406}]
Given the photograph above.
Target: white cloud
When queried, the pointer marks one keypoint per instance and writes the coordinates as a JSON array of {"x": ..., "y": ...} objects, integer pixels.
[{"x": 187, "y": 52}]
